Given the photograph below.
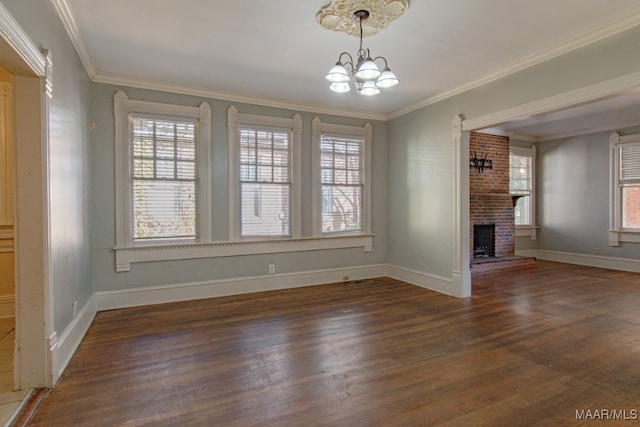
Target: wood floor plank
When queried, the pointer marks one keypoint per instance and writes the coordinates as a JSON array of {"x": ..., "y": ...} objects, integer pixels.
[{"x": 531, "y": 347}]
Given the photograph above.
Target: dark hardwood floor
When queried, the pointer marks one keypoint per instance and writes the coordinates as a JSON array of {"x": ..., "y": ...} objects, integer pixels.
[{"x": 531, "y": 347}]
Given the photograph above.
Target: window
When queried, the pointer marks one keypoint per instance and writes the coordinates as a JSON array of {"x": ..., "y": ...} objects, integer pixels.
[
  {"x": 264, "y": 176},
  {"x": 341, "y": 165},
  {"x": 162, "y": 178},
  {"x": 341, "y": 171},
  {"x": 522, "y": 183},
  {"x": 265, "y": 182},
  {"x": 625, "y": 187}
]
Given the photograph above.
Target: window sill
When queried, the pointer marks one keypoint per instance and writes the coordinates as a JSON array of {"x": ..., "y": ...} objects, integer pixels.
[
  {"x": 618, "y": 236},
  {"x": 526, "y": 230},
  {"x": 125, "y": 256}
]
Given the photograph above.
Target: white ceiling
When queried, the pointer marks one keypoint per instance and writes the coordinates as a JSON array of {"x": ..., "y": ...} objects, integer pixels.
[{"x": 275, "y": 53}]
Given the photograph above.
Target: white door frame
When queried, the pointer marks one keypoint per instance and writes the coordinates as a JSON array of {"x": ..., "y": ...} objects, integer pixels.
[{"x": 31, "y": 82}]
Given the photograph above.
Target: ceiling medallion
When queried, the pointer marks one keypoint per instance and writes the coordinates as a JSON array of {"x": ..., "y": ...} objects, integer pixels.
[{"x": 338, "y": 15}]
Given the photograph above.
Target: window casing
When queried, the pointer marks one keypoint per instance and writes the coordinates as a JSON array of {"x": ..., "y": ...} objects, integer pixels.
[
  {"x": 264, "y": 176},
  {"x": 522, "y": 183},
  {"x": 162, "y": 173},
  {"x": 624, "y": 189},
  {"x": 341, "y": 188}
]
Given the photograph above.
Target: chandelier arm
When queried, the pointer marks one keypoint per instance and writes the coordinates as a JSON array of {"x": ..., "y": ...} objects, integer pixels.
[
  {"x": 349, "y": 62},
  {"x": 383, "y": 58}
]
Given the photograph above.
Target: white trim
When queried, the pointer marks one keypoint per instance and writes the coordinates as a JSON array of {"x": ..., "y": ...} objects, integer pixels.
[
  {"x": 66, "y": 16},
  {"x": 556, "y": 102},
  {"x": 527, "y": 231},
  {"x": 526, "y": 62},
  {"x": 423, "y": 280},
  {"x": 461, "y": 274},
  {"x": 598, "y": 261},
  {"x": 127, "y": 255},
  {"x": 122, "y": 108},
  {"x": 63, "y": 9},
  {"x": 531, "y": 152},
  {"x": 235, "y": 121},
  {"x": 589, "y": 131},
  {"x": 183, "y": 89},
  {"x": 7, "y": 306},
  {"x": 365, "y": 132},
  {"x": 109, "y": 300},
  {"x": 617, "y": 233},
  {"x": 20, "y": 42},
  {"x": 64, "y": 346}
]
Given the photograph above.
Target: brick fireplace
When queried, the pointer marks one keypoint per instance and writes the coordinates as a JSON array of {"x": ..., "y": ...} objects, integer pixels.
[
  {"x": 491, "y": 202},
  {"x": 491, "y": 205}
]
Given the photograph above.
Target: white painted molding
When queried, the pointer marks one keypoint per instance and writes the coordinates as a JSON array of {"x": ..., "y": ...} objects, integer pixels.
[
  {"x": 109, "y": 300},
  {"x": 622, "y": 264},
  {"x": 7, "y": 306},
  {"x": 127, "y": 255},
  {"x": 232, "y": 97},
  {"x": 617, "y": 233},
  {"x": 461, "y": 274},
  {"x": 65, "y": 14},
  {"x": 364, "y": 132},
  {"x": 20, "y": 42},
  {"x": 590, "y": 130},
  {"x": 423, "y": 280},
  {"x": 122, "y": 108},
  {"x": 64, "y": 346},
  {"x": 556, "y": 102},
  {"x": 235, "y": 121},
  {"x": 48, "y": 73},
  {"x": 233, "y": 169},
  {"x": 526, "y": 62}
]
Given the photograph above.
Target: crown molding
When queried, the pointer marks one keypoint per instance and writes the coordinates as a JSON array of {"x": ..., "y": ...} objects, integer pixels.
[
  {"x": 228, "y": 96},
  {"x": 19, "y": 41},
  {"x": 587, "y": 131},
  {"x": 65, "y": 14},
  {"x": 556, "y": 102},
  {"x": 63, "y": 9},
  {"x": 528, "y": 61}
]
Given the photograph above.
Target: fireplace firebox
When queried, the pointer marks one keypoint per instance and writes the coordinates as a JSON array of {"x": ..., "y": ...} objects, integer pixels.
[{"x": 484, "y": 240}]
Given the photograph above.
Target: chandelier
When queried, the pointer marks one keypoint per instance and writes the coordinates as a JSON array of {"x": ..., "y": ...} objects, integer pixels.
[{"x": 368, "y": 77}]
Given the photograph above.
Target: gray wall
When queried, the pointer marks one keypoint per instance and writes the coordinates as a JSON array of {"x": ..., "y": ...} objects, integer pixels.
[
  {"x": 573, "y": 196},
  {"x": 69, "y": 184},
  {"x": 421, "y": 153},
  {"x": 185, "y": 271}
]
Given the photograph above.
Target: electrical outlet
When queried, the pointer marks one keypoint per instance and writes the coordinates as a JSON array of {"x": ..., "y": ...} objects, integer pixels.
[
  {"x": 596, "y": 251},
  {"x": 345, "y": 278},
  {"x": 75, "y": 308},
  {"x": 272, "y": 268}
]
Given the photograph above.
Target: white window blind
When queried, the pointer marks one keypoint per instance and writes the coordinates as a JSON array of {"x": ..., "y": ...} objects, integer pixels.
[
  {"x": 342, "y": 170},
  {"x": 163, "y": 178},
  {"x": 520, "y": 183},
  {"x": 630, "y": 184},
  {"x": 630, "y": 163},
  {"x": 265, "y": 182}
]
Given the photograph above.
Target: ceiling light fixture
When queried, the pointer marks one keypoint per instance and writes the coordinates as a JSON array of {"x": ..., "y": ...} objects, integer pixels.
[{"x": 368, "y": 77}]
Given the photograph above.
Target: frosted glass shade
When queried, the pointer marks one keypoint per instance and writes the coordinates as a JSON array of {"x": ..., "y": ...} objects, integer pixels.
[
  {"x": 340, "y": 87},
  {"x": 338, "y": 74}
]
